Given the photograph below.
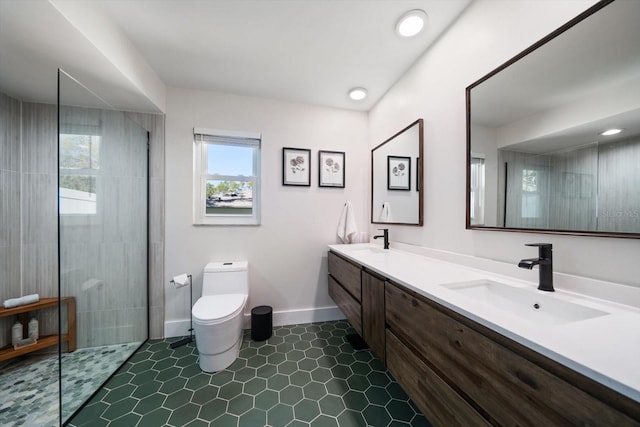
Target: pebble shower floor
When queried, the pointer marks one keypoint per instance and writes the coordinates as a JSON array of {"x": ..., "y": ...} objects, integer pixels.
[
  {"x": 304, "y": 375},
  {"x": 29, "y": 386}
]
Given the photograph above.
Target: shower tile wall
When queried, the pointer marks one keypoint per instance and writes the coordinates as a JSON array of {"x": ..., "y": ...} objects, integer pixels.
[
  {"x": 155, "y": 125},
  {"x": 113, "y": 311},
  {"x": 29, "y": 134},
  {"x": 40, "y": 208},
  {"x": 104, "y": 254},
  {"x": 9, "y": 206}
]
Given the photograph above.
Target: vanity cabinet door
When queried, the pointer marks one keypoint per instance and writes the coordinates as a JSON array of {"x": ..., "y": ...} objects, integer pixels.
[
  {"x": 440, "y": 403},
  {"x": 349, "y": 306},
  {"x": 346, "y": 273},
  {"x": 373, "y": 313},
  {"x": 499, "y": 375}
]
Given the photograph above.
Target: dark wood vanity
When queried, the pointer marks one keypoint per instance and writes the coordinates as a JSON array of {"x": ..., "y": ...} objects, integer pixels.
[{"x": 459, "y": 372}]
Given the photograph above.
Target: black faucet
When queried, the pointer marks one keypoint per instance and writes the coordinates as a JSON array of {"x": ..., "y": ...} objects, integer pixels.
[
  {"x": 385, "y": 235},
  {"x": 545, "y": 263}
]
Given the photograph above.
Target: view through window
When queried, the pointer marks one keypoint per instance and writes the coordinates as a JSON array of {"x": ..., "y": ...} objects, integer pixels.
[{"x": 79, "y": 167}]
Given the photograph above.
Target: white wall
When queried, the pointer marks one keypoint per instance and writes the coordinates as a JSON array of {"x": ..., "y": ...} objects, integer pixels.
[
  {"x": 487, "y": 34},
  {"x": 484, "y": 144},
  {"x": 287, "y": 252}
]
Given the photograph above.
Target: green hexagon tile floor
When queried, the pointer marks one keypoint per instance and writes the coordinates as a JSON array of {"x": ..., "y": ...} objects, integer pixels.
[{"x": 304, "y": 375}]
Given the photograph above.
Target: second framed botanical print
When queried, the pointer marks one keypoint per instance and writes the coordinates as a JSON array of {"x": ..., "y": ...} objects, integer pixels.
[{"x": 331, "y": 169}]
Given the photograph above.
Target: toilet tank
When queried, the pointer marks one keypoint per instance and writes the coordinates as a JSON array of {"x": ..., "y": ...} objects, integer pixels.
[{"x": 226, "y": 278}]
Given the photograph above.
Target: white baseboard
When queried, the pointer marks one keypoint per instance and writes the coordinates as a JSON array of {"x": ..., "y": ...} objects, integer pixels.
[
  {"x": 180, "y": 328},
  {"x": 176, "y": 328},
  {"x": 293, "y": 317}
]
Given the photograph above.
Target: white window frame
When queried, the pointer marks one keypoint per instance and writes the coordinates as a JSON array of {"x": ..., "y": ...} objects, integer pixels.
[
  {"x": 201, "y": 138},
  {"x": 477, "y": 187}
]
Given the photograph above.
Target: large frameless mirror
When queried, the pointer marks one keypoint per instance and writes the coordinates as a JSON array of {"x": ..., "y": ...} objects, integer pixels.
[
  {"x": 538, "y": 154},
  {"x": 396, "y": 178}
]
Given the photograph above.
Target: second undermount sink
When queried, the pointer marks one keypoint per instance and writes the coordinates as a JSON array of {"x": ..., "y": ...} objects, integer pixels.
[{"x": 528, "y": 304}]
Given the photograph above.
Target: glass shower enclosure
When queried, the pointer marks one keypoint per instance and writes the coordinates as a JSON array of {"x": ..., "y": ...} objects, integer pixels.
[{"x": 103, "y": 240}]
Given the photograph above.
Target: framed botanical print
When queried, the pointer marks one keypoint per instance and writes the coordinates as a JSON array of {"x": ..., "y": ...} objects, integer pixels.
[
  {"x": 296, "y": 166},
  {"x": 331, "y": 169}
]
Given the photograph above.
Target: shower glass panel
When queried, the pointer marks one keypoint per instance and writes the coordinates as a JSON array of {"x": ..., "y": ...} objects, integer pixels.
[{"x": 103, "y": 186}]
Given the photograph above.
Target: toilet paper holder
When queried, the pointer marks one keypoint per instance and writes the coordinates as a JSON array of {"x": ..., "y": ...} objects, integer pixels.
[{"x": 188, "y": 339}]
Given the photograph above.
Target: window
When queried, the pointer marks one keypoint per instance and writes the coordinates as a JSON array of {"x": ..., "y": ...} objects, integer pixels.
[
  {"x": 226, "y": 177},
  {"x": 530, "y": 194},
  {"x": 476, "y": 204},
  {"x": 79, "y": 168}
]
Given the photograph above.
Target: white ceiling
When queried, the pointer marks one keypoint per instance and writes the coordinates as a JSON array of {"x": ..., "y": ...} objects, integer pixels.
[
  {"x": 36, "y": 40},
  {"x": 569, "y": 90},
  {"x": 310, "y": 51}
]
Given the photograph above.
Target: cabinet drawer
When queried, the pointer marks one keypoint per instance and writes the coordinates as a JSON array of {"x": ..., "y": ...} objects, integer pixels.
[
  {"x": 346, "y": 273},
  {"x": 440, "y": 403},
  {"x": 349, "y": 306},
  {"x": 507, "y": 386},
  {"x": 373, "y": 312}
]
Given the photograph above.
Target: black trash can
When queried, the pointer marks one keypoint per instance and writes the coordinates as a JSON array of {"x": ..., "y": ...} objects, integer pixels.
[{"x": 261, "y": 323}]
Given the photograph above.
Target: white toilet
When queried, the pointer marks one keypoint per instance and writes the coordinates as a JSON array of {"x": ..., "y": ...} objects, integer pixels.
[{"x": 218, "y": 314}]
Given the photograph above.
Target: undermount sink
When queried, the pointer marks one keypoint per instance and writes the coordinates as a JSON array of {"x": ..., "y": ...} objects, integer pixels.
[
  {"x": 369, "y": 250},
  {"x": 528, "y": 304}
]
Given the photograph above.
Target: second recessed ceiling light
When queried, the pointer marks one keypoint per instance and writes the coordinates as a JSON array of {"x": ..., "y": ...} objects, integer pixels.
[{"x": 411, "y": 23}]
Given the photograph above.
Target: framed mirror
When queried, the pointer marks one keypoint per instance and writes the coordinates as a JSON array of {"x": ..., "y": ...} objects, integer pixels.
[
  {"x": 539, "y": 157},
  {"x": 397, "y": 178}
]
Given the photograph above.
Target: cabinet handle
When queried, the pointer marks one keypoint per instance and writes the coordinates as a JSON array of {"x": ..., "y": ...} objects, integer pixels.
[{"x": 526, "y": 379}]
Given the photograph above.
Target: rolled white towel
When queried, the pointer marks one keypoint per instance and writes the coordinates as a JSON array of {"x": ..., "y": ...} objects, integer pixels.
[{"x": 16, "y": 302}]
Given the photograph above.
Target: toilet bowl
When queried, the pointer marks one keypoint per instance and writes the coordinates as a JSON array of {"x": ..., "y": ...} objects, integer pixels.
[{"x": 218, "y": 315}]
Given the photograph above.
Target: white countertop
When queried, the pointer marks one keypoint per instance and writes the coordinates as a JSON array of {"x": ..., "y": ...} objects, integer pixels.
[{"x": 605, "y": 348}]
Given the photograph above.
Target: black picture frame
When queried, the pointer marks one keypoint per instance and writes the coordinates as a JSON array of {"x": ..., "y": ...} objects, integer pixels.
[
  {"x": 331, "y": 169},
  {"x": 296, "y": 166},
  {"x": 417, "y": 173},
  {"x": 399, "y": 173}
]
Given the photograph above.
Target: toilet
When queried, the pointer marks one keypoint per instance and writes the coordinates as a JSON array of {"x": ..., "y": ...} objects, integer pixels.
[{"x": 218, "y": 314}]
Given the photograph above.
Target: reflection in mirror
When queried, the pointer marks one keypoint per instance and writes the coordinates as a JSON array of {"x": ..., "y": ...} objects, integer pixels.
[
  {"x": 396, "y": 178},
  {"x": 537, "y": 156}
]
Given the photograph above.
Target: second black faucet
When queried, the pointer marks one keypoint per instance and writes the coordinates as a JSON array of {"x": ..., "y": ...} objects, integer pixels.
[{"x": 545, "y": 263}]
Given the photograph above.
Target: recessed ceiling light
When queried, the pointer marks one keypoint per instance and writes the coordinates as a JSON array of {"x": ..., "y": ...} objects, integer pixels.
[
  {"x": 358, "y": 93},
  {"x": 610, "y": 132},
  {"x": 411, "y": 23}
]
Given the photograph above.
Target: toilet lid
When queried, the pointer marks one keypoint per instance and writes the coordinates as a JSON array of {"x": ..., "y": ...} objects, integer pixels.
[{"x": 212, "y": 307}]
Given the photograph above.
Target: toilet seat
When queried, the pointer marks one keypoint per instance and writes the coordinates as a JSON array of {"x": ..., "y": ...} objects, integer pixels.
[{"x": 214, "y": 309}]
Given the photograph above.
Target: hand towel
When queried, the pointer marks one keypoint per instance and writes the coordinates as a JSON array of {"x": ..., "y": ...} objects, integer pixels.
[
  {"x": 16, "y": 302},
  {"x": 385, "y": 213},
  {"x": 347, "y": 229}
]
